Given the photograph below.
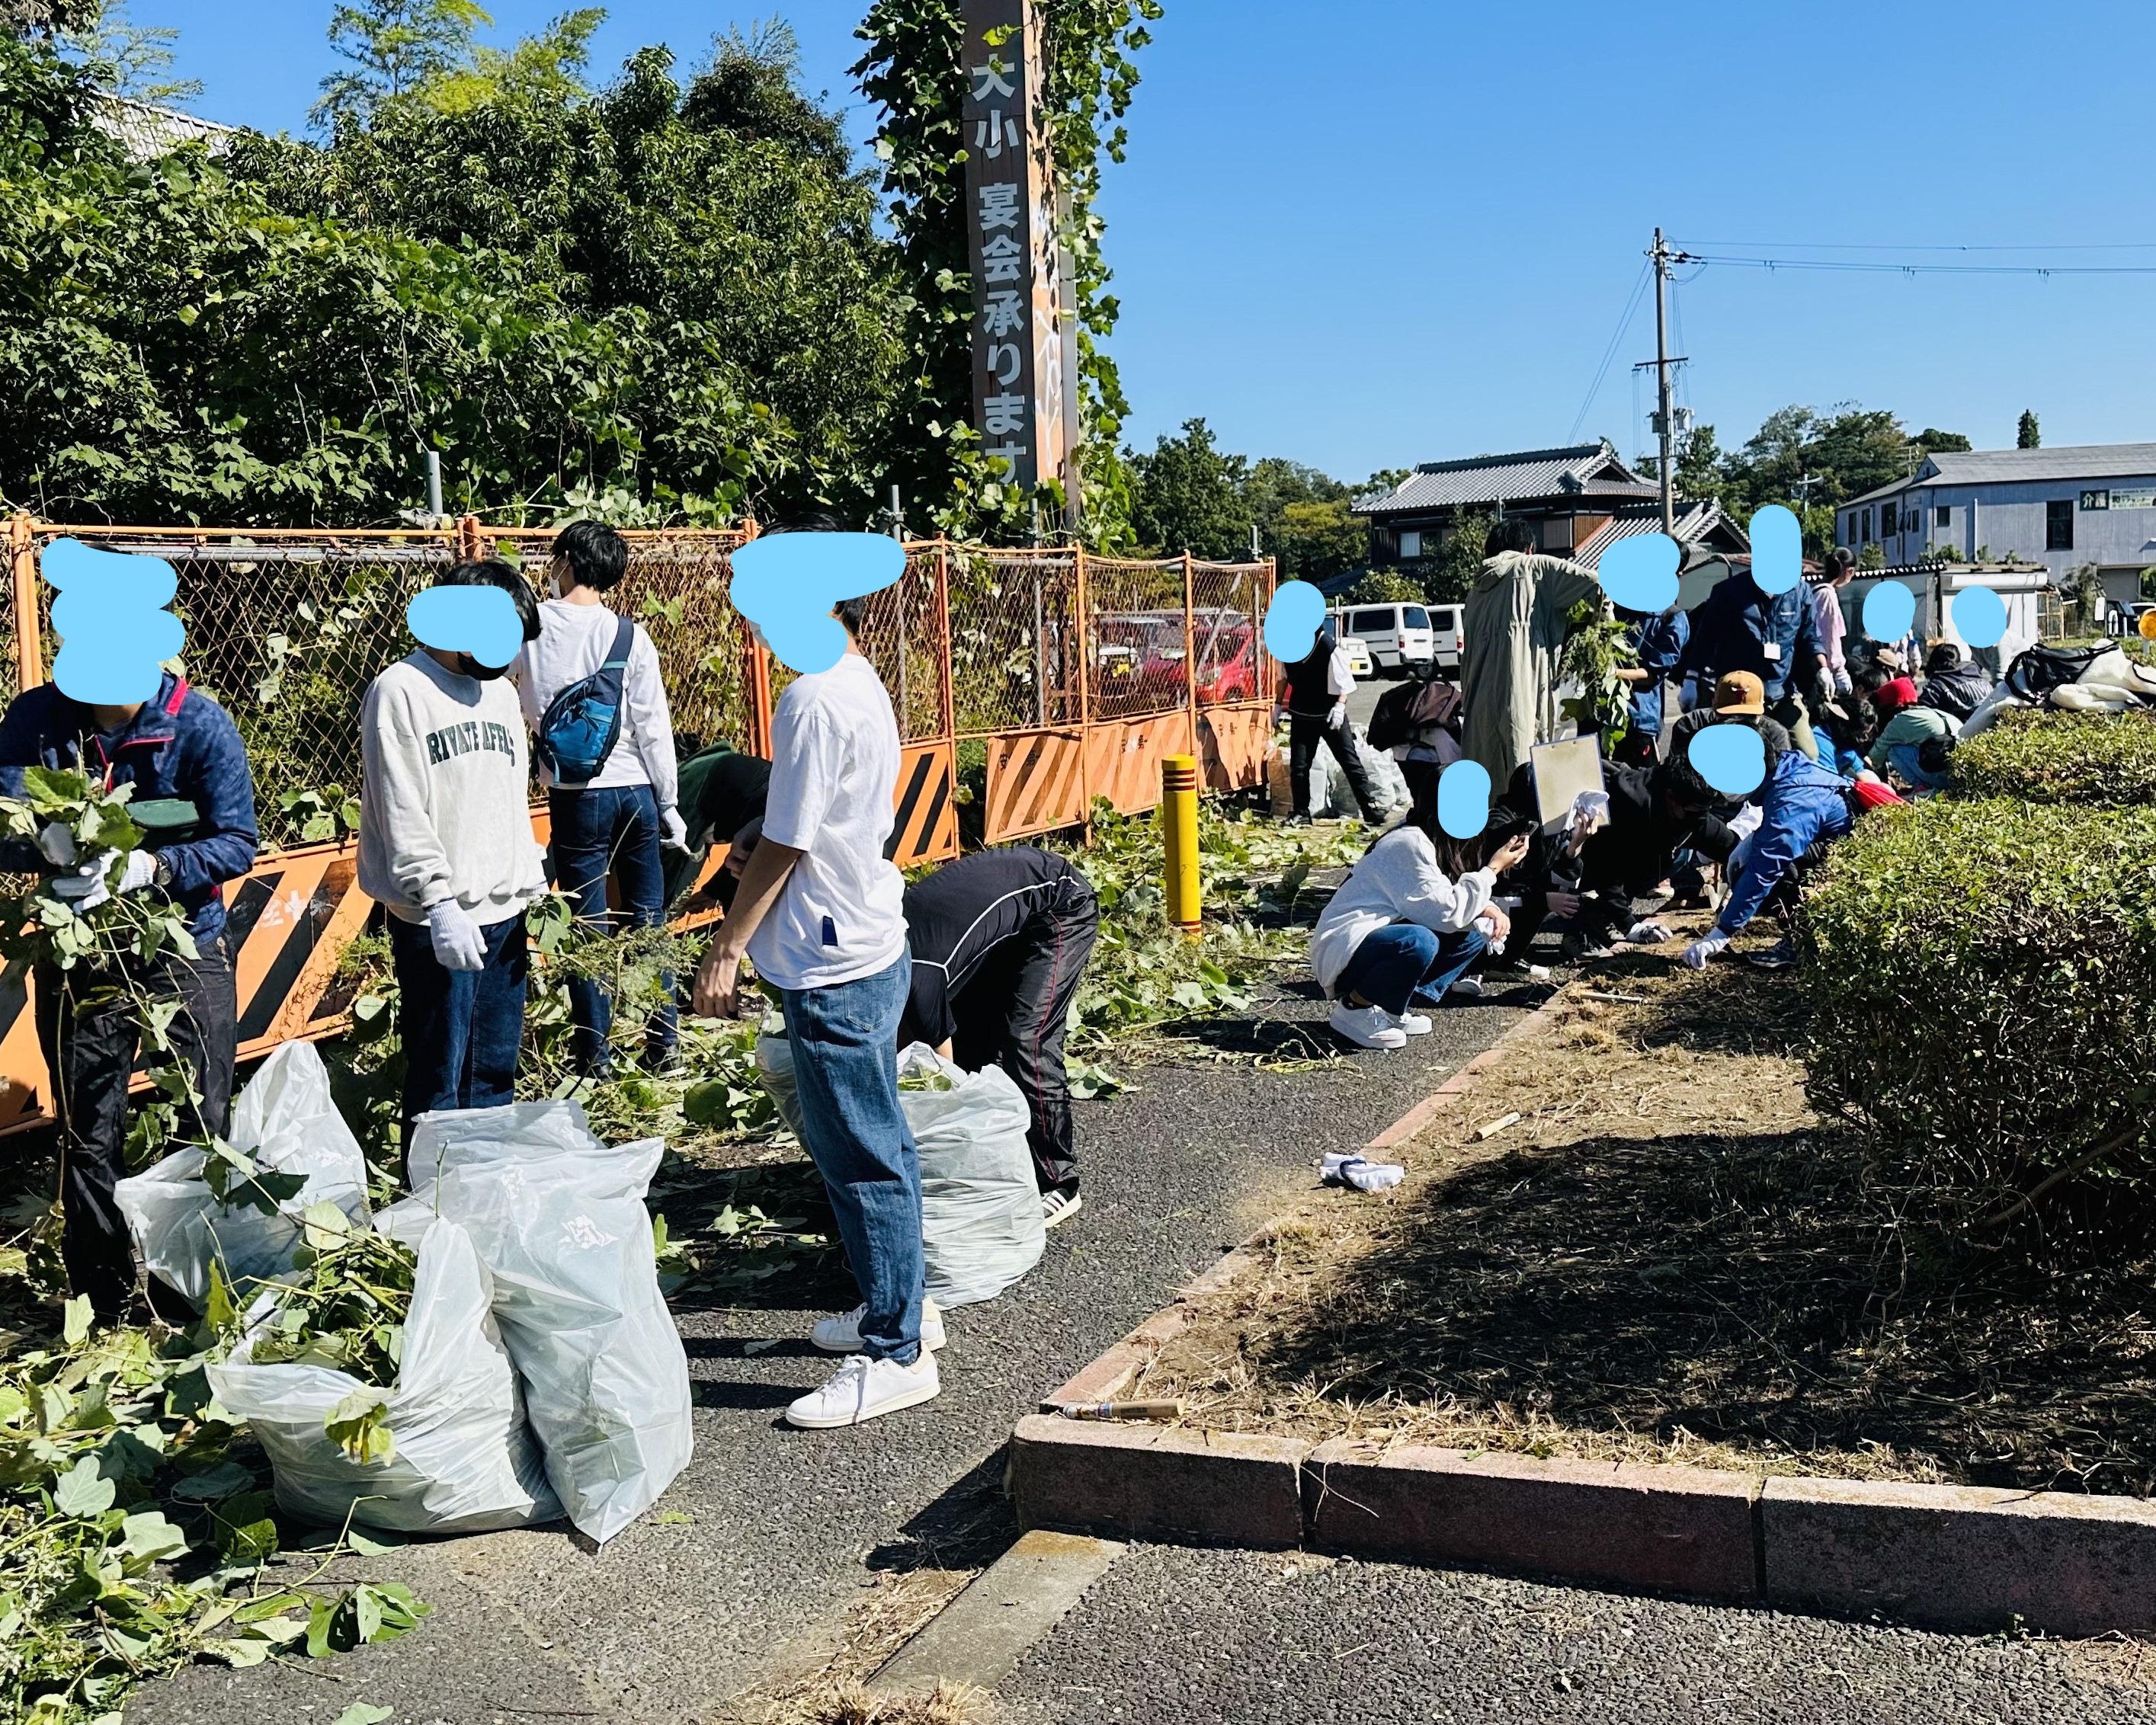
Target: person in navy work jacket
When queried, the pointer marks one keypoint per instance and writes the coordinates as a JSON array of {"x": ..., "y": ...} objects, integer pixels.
[
  {"x": 1739, "y": 626},
  {"x": 179, "y": 744}
]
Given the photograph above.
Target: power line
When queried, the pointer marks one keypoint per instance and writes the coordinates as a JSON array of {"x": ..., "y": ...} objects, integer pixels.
[
  {"x": 1609, "y": 353},
  {"x": 1806, "y": 245},
  {"x": 1903, "y": 268}
]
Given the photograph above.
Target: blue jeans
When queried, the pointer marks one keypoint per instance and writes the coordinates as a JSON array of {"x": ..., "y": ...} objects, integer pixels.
[
  {"x": 1399, "y": 961},
  {"x": 597, "y": 834},
  {"x": 845, "y": 1067},
  {"x": 1903, "y": 758},
  {"x": 462, "y": 1029}
]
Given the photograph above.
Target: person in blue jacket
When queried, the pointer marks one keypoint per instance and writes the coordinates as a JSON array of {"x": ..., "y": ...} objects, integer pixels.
[
  {"x": 1658, "y": 639},
  {"x": 1774, "y": 636},
  {"x": 179, "y": 744},
  {"x": 1806, "y": 809}
]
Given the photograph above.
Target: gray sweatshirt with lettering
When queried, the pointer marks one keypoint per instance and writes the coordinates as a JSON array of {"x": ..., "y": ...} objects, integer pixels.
[{"x": 445, "y": 809}]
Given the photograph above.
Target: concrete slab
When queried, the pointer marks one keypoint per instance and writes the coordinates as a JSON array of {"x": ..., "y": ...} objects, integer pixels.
[
  {"x": 1962, "y": 1557},
  {"x": 1682, "y": 1530},
  {"x": 980, "y": 1637}
]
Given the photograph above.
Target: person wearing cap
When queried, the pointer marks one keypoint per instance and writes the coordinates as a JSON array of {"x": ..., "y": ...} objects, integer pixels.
[
  {"x": 1806, "y": 809},
  {"x": 1740, "y": 626},
  {"x": 1910, "y": 726}
]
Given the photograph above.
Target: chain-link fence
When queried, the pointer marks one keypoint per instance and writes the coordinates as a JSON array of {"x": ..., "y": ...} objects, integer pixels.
[{"x": 287, "y": 629}]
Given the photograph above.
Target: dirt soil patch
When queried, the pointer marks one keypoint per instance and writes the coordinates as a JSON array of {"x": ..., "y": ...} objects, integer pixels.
[{"x": 1668, "y": 1257}]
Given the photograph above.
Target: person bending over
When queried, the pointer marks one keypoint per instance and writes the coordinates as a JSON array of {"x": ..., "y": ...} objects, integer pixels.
[{"x": 1000, "y": 941}]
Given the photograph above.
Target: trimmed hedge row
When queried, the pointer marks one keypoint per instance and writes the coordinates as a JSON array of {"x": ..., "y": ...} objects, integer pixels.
[
  {"x": 2041, "y": 756},
  {"x": 1984, "y": 980}
]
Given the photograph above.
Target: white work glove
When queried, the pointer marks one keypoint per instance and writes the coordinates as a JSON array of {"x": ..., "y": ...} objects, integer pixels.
[
  {"x": 673, "y": 829},
  {"x": 458, "y": 945},
  {"x": 1649, "y": 933},
  {"x": 56, "y": 844},
  {"x": 86, "y": 887},
  {"x": 1337, "y": 717},
  {"x": 142, "y": 871},
  {"x": 1697, "y": 955}
]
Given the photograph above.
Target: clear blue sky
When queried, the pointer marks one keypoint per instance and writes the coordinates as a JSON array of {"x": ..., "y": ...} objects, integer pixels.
[{"x": 1365, "y": 234}]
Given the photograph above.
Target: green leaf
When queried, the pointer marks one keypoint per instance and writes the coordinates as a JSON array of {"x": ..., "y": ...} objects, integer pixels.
[
  {"x": 360, "y": 1712},
  {"x": 83, "y": 1491},
  {"x": 359, "y": 1426},
  {"x": 150, "y": 1537},
  {"x": 76, "y": 1319}
]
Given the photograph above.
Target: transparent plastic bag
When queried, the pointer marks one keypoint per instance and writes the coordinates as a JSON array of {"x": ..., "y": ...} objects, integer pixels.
[
  {"x": 464, "y": 1463},
  {"x": 558, "y": 1219},
  {"x": 981, "y": 1226},
  {"x": 774, "y": 1063},
  {"x": 287, "y": 1122}
]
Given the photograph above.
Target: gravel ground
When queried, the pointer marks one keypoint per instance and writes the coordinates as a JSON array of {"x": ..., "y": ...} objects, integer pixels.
[
  {"x": 784, "y": 1528},
  {"x": 1190, "y": 1637}
]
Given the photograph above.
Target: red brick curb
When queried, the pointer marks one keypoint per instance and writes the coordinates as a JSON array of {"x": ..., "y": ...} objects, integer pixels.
[{"x": 1946, "y": 1556}]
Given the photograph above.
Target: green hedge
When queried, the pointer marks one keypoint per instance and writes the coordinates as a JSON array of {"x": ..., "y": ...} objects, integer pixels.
[
  {"x": 1984, "y": 980},
  {"x": 2038, "y": 756}
]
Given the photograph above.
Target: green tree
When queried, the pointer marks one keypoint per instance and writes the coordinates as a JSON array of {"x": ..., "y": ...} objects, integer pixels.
[
  {"x": 124, "y": 57},
  {"x": 1385, "y": 586},
  {"x": 1699, "y": 476},
  {"x": 45, "y": 17},
  {"x": 1189, "y": 496},
  {"x": 548, "y": 67},
  {"x": 1459, "y": 559},
  {"x": 395, "y": 48},
  {"x": 1942, "y": 442},
  {"x": 2027, "y": 435},
  {"x": 1316, "y": 541}
]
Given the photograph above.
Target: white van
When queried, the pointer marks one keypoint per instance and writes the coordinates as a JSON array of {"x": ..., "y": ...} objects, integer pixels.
[
  {"x": 1397, "y": 635},
  {"x": 1448, "y": 630}
]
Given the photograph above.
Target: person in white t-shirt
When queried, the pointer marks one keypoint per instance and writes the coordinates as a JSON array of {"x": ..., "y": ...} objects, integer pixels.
[
  {"x": 820, "y": 910},
  {"x": 613, "y": 822}
]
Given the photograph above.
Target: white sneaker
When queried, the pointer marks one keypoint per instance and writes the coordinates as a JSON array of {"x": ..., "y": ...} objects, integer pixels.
[
  {"x": 862, "y": 1390},
  {"x": 1415, "y": 1024},
  {"x": 843, "y": 1335},
  {"x": 1468, "y": 988},
  {"x": 1060, "y": 1207},
  {"x": 1367, "y": 1026}
]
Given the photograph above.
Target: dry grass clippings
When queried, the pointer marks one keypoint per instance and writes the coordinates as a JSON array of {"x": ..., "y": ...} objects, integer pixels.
[
  {"x": 1669, "y": 1257},
  {"x": 848, "y": 1703}
]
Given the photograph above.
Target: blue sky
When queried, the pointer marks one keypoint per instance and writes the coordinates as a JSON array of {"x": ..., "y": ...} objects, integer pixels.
[{"x": 1365, "y": 234}]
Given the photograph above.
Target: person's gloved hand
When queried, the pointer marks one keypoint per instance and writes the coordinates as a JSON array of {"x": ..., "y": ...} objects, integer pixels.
[
  {"x": 1697, "y": 955},
  {"x": 142, "y": 871},
  {"x": 84, "y": 887},
  {"x": 459, "y": 945},
  {"x": 56, "y": 845},
  {"x": 673, "y": 829},
  {"x": 1337, "y": 717},
  {"x": 1648, "y": 932}
]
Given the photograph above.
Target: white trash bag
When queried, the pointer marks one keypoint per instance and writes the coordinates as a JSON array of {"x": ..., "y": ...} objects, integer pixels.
[
  {"x": 464, "y": 1463},
  {"x": 558, "y": 1219},
  {"x": 981, "y": 1226},
  {"x": 287, "y": 1123}
]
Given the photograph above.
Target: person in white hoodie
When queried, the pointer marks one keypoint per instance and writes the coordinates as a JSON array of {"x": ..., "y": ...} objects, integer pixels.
[
  {"x": 1409, "y": 923},
  {"x": 613, "y": 823},
  {"x": 445, "y": 845}
]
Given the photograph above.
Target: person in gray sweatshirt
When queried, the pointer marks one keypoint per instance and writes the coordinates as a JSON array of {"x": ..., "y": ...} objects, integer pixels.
[{"x": 445, "y": 845}]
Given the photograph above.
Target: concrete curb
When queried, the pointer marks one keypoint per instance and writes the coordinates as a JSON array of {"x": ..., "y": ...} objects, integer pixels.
[{"x": 1945, "y": 1557}]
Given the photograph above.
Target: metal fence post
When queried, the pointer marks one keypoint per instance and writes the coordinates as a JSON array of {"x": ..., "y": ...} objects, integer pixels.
[
  {"x": 29, "y": 638},
  {"x": 947, "y": 680},
  {"x": 1081, "y": 628},
  {"x": 1190, "y": 651}
]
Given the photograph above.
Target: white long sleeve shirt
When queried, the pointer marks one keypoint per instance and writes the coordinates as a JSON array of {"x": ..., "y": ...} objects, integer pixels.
[
  {"x": 574, "y": 641},
  {"x": 1397, "y": 881},
  {"x": 445, "y": 788}
]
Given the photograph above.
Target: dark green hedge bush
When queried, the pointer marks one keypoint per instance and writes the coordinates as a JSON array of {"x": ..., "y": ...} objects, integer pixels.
[
  {"x": 1983, "y": 975},
  {"x": 2040, "y": 756}
]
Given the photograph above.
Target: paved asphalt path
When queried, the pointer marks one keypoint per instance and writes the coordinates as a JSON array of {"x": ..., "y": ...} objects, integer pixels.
[
  {"x": 771, "y": 1532},
  {"x": 1179, "y": 1637}
]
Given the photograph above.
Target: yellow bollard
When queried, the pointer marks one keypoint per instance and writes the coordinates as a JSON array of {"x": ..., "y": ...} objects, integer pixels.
[{"x": 1178, "y": 837}]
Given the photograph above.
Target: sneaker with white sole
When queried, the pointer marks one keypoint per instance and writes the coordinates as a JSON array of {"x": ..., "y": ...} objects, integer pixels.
[
  {"x": 1468, "y": 988},
  {"x": 1415, "y": 1024},
  {"x": 843, "y": 1335},
  {"x": 1367, "y": 1026},
  {"x": 862, "y": 1390},
  {"x": 1059, "y": 1207}
]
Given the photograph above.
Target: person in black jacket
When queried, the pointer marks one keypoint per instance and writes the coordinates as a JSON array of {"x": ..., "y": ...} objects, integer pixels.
[
  {"x": 1952, "y": 685},
  {"x": 1317, "y": 702},
  {"x": 1000, "y": 941},
  {"x": 1654, "y": 813}
]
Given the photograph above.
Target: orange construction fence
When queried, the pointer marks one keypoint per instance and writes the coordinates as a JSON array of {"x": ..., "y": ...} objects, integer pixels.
[{"x": 1027, "y": 682}]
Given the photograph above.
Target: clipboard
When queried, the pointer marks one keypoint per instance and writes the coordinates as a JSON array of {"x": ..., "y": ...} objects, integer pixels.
[{"x": 1561, "y": 771}]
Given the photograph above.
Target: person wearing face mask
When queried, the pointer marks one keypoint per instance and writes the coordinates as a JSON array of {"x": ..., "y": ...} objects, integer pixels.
[
  {"x": 445, "y": 847},
  {"x": 612, "y": 799}
]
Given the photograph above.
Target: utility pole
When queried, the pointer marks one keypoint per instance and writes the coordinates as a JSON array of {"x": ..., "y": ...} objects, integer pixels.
[{"x": 1663, "y": 427}]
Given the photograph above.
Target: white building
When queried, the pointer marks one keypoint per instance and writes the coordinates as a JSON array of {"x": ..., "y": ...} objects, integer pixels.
[{"x": 2062, "y": 508}]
